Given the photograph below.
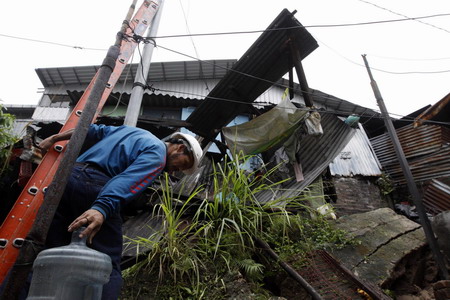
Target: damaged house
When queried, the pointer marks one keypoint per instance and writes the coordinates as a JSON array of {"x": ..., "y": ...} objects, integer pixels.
[
  {"x": 205, "y": 96},
  {"x": 220, "y": 101},
  {"x": 425, "y": 143}
]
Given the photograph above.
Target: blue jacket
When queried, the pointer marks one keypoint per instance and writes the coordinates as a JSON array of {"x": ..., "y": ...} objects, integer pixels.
[{"x": 133, "y": 157}]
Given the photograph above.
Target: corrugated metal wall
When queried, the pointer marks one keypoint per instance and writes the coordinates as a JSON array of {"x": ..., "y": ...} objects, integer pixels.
[
  {"x": 316, "y": 154},
  {"x": 357, "y": 158},
  {"x": 427, "y": 149},
  {"x": 437, "y": 197}
]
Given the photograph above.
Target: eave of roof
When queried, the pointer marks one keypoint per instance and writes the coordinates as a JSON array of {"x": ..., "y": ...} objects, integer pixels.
[{"x": 159, "y": 71}]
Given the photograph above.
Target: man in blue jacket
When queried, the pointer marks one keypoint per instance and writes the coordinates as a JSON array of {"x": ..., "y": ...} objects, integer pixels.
[{"x": 120, "y": 163}]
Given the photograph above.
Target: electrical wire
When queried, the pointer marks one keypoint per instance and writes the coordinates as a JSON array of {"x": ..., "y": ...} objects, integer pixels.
[
  {"x": 51, "y": 43},
  {"x": 258, "y": 31},
  {"x": 409, "y": 59},
  {"x": 240, "y": 32},
  {"x": 241, "y": 73},
  {"x": 119, "y": 99},
  {"x": 192, "y": 41},
  {"x": 402, "y": 15},
  {"x": 373, "y": 115},
  {"x": 303, "y": 26},
  {"x": 378, "y": 69}
]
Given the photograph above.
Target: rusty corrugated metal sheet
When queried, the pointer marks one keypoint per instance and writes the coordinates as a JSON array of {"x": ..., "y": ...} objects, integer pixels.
[
  {"x": 436, "y": 198},
  {"x": 415, "y": 142},
  {"x": 425, "y": 168},
  {"x": 438, "y": 112},
  {"x": 316, "y": 154},
  {"x": 357, "y": 158},
  {"x": 426, "y": 148}
]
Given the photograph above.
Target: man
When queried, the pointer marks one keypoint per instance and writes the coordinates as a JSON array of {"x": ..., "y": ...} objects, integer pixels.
[{"x": 119, "y": 164}]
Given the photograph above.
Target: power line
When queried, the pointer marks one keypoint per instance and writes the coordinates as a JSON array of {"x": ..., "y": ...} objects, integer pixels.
[
  {"x": 192, "y": 40},
  {"x": 51, "y": 43},
  {"x": 304, "y": 26},
  {"x": 146, "y": 40},
  {"x": 235, "y": 32},
  {"x": 261, "y": 79},
  {"x": 382, "y": 70},
  {"x": 402, "y": 15},
  {"x": 410, "y": 59},
  {"x": 258, "y": 31},
  {"x": 372, "y": 115}
]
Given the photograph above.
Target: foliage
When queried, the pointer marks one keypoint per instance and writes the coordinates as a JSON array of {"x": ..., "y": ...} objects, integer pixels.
[
  {"x": 194, "y": 253},
  {"x": 7, "y": 139},
  {"x": 386, "y": 184}
]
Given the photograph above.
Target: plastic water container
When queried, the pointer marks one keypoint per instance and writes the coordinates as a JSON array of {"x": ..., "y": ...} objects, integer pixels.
[{"x": 72, "y": 272}]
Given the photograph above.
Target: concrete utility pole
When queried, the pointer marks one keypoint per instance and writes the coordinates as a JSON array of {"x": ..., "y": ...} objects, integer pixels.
[
  {"x": 409, "y": 177},
  {"x": 140, "y": 81}
]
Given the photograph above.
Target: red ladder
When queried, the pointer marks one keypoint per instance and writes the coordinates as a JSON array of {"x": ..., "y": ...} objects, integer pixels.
[{"x": 21, "y": 217}]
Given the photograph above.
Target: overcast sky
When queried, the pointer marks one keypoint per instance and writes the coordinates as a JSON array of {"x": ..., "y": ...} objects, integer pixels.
[{"x": 410, "y": 59}]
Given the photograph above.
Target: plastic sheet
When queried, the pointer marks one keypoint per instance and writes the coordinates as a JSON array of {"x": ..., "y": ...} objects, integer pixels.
[{"x": 267, "y": 130}]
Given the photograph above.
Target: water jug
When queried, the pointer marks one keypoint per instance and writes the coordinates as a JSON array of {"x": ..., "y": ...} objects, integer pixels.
[{"x": 72, "y": 272}]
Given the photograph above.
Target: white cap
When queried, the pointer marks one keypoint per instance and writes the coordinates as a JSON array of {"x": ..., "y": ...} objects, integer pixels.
[{"x": 197, "y": 151}]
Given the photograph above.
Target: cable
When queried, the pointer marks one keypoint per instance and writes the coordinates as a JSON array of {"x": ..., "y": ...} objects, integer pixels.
[
  {"x": 410, "y": 59},
  {"x": 51, "y": 43},
  {"x": 192, "y": 41},
  {"x": 320, "y": 110},
  {"x": 228, "y": 69},
  {"x": 119, "y": 100},
  {"x": 401, "y": 15},
  {"x": 303, "y": 26},
  {"x": 238, "y": 32},
  {"x": 381, "y": 70}
]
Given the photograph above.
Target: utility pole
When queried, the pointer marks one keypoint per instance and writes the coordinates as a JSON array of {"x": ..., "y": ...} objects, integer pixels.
[
  {"x": 409, "y": 177},
  {"x": 140, "y": 81}
]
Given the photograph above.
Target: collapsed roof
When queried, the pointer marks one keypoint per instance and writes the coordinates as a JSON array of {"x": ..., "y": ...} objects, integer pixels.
[{"x": 263, "y": 64}]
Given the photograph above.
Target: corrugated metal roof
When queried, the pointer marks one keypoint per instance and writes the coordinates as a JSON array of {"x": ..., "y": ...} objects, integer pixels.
[
  {"x": 316, "y": 154},
  {"x": 263, "y": 64},
  {"x": 195, "y": 89},
  {"x": 19, "y": 127},
  {"x": 357, "y": 158},
  {"x": 45, "y": 114},
  {"x": 159, "y": 71}
]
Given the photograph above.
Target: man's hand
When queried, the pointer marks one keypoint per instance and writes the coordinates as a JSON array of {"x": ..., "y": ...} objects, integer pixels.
[
  {"x": 46, "y": 144},
  {"x": 92, "y": 219}
]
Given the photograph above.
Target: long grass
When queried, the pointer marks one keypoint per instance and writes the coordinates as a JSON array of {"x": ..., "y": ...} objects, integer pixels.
[{"x": 218, "y": 236}]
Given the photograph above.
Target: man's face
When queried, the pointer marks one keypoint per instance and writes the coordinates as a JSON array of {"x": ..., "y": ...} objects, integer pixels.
[{"x": 178, "y": 161}]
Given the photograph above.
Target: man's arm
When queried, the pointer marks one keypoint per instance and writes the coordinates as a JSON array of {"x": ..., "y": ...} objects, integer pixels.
[
  {"x": 92, "y": 219},
  {"x": 48, "y": 142}
]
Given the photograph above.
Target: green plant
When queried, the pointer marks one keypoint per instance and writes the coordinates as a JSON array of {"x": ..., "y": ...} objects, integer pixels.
[
  {"x": 7, "y": 138},
  {"x": 386, "y": 184},
  {"x": 200, "y": 246}
]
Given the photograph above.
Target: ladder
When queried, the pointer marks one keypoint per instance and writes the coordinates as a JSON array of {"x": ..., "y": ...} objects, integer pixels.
[{"x": 23, "y": 214}]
